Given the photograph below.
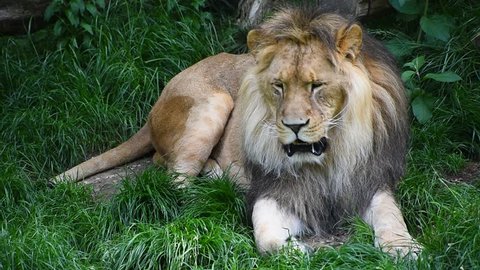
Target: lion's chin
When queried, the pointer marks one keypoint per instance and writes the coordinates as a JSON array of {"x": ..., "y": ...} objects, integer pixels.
[{"x": 298, "y": 146}]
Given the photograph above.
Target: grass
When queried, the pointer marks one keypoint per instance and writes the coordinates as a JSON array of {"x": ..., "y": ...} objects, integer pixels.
[{"x": 61, "y": 105}]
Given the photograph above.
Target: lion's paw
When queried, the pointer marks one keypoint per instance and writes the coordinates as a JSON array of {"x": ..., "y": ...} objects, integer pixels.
[
  {"x": 403, "y": 246},
  {"x": 407, "y": 250},
  {"x": 290, "y": 244},
  {"x": 298, "y": 245}
]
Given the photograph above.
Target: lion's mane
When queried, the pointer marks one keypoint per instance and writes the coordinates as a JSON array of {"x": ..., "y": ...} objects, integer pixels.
[{"x": 368, "y": 145}]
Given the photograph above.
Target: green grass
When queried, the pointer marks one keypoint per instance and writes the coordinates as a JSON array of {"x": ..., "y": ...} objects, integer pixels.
[{"x": 61, "y": 105}]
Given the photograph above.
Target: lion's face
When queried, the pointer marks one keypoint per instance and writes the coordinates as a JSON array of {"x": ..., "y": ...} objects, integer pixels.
[
  {"x": 305, "y": 93},
  {"x": 304, "y": 89}
]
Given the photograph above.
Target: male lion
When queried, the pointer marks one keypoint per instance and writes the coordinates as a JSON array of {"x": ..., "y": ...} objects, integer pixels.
[{"x": 313, "y": 119}]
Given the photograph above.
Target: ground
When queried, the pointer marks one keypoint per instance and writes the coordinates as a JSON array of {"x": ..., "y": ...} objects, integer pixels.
[{"x": 470, "y": 174}]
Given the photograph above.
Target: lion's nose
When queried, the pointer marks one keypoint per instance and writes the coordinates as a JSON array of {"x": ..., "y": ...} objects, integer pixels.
[{"x": 295, "y": 126}]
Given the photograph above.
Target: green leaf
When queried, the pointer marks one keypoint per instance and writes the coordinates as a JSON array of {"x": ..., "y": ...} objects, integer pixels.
[
  {"x": 447, "y": 76},
  {"x": 437, "y": 26},
  {"x": 417, "y": 63},
  {"x": 77, "y": 6},
  {"x": 101, "y": 3},
  {"x": 92, "y": 9},
  {"x": 407, "y": 75},
  {"x": 408, "y": 6},
  {"x": 197, "y": 4},
  {"x": 50, "y": 11},
  {"x": 422, "y": 109},
  {"x": 72, "y": 18},
  {"x": 62, "y": 43},
  {"x": 74, "y": 42},
  {"x": 58, "y": 28},
  {"x": 400, "y": 46},
  {"x": 87, "y": 27}
]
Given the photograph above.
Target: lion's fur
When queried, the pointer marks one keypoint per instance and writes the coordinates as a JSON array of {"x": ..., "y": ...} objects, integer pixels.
[
  {"x": 362, "y": 112},
  {"x": 368, "y": 144}
]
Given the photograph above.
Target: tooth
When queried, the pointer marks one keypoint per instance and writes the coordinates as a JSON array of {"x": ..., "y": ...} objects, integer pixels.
[
  {"x": 315, "y": 149},
  {"x": 290, "y": 152},
  {"x": 288, "y": 149}
]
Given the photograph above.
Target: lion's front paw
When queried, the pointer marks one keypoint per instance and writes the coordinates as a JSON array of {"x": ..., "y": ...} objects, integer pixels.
[
  {"x": 296, "y": 244},
  {"x": 182, "y": 181},
  {"x": 402, "y": 245},
  {"x": 268, "y": 246}
]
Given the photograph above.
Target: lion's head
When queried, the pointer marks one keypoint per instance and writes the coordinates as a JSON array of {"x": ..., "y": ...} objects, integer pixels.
[{"x": 320, "y": 90}]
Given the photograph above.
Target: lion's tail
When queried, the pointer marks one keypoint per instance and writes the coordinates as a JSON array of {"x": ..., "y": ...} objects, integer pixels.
[{"x": 138, "y": 145}]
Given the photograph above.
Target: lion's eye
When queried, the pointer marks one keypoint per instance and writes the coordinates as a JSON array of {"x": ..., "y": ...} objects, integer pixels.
[
  {"x": 316, "y": 85},
  {"x": 277, "y": 88}
]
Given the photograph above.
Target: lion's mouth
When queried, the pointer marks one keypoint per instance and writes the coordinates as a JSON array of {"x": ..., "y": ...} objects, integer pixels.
[{"x": 316, "y": 148}]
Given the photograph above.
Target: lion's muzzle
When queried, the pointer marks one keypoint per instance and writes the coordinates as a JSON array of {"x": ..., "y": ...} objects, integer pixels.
[{"x": 316, "y": 148}]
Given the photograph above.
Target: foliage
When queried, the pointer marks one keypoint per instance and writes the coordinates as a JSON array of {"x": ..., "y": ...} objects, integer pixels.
[
  {"x": 441, "y": 64},
  {"x": 422, "y": 101},
  {"x": 437, "y": 28},
  {"x": 75, "y": 20}
]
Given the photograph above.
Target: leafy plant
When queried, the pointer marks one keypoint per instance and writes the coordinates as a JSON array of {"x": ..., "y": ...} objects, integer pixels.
[
  {"x": 436, "y": 26},
  {"x": 434, "y": 31},
  {"x": 74, "y": 19},
  {"x": 415, "y": 78}
]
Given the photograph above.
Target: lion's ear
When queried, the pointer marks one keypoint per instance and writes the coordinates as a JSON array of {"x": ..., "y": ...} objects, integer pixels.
[
  {"x": 257, "y": 37},
  {"x": 349, "y": 41},
  {"x": 253, "y": 39}
]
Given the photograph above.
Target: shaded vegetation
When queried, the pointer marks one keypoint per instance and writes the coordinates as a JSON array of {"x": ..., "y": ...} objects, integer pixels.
[{"x": 62, "y": 102}]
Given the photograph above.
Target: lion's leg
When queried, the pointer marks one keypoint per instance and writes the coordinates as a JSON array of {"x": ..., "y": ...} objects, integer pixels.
[
  {"x": 206, "y": 123},
  {"x": 275, "y": 227},
  {"x": 391, "y": 232},
  {"x": 184, "y": 145}
]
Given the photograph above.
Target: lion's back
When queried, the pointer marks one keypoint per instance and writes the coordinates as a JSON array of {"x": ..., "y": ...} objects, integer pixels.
[{"x": 221, "y": 72}]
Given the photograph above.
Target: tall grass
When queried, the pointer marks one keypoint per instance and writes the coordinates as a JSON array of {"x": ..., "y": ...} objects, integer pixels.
[
  {"x": 61, "y": 105},
  {"x": 80, "y": 101}
]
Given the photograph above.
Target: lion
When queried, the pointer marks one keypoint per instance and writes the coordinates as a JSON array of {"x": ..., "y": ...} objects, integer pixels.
[{"x": 312, "y": 120}]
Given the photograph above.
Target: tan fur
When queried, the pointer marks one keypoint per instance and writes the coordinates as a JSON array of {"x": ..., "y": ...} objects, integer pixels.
[
  {"x": 234, "y": 113},
  {"x": 186, "y": 122},
  {"x": 173, "y": 113}
]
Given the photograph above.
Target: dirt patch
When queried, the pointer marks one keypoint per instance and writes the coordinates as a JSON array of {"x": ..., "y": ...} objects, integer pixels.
[
  {"x": 469, "y": 174},
  {"x": 106, "y": 184}
]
